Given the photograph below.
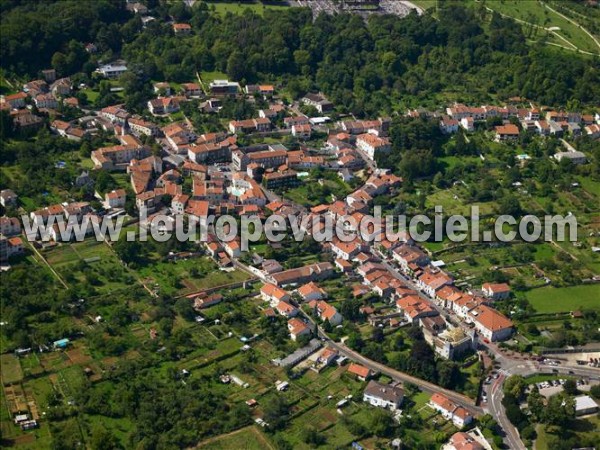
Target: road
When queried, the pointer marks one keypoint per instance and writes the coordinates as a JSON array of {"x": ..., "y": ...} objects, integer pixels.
[
  {"x": 515, "y": 365},
  {"x": 520, "y": 365},
  {"x": 510, "y": 364},
  {"x": 425, "y": 386}
]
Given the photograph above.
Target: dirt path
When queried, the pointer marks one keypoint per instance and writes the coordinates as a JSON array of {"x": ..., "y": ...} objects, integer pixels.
[
  {"x": 574, "y": 23},
  {"x": 250, "y": 428},
  {"x": 54, "y": 272}
]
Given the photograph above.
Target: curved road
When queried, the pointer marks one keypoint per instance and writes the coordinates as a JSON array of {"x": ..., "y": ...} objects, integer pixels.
[
  {"x": 523, "y": 367},
  {"x": 425, "y": 386}
]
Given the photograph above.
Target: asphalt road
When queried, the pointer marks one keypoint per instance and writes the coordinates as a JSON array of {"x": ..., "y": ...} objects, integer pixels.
[{"x": 397, "y": 375}]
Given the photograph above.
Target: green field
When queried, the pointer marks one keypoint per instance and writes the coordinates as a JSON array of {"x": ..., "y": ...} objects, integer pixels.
[
  {"x": 189, "y": 275},
  {"x": 11, "y": 369},
  {"x": 583, "y": 428},
  {"x": 249, "y": 438},
  {"x": 551, "y": 300},
  {"x": 425, "y": 4},
  {"x": 239, "y": 7},
  {"x": 89, "y": 262},
  {"x": 567, "y": 34}
]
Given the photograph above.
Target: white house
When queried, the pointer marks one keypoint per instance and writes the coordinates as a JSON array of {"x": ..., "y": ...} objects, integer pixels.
[
  {"x": 326, "y": 312},
  {"x": 371, "y": 144},
  {"x": 112, "y": 70},
  {"x": 383, "y": 395},
  {"x": 298, "y": 328},
  {"x": 115, "y": 198},
  {"x": 499, "y": 291},
  {"x": 273, "y": 294},
  {"x": 311, "y": 291},
  {"x": 491, "y": 324},
  {"x": 457, "y": 414}
]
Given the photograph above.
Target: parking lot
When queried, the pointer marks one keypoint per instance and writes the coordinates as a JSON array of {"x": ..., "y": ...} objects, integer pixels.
[{"x": 551, "y": 387}]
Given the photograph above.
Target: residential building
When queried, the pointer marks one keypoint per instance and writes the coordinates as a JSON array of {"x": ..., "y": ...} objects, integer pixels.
[
  {"x": 15, "y": 100},
  {"x": 47, "y": 101},
  {"x": 301, "y": 275},
  {"x": 372, "y": 145},
  {"x": 496, "y": 291},
  {"x": 289, "y": 122},
  {"x": 115, "y": 199},
  {"x": 415, "y": 308},
  {"x": 182, "y": 28},
  {"x": 116, "y": 114},
  {"x": 280, "y": 179},
  {"x": 273, "y": 294},
  {"x": 319, "y": 101},
  {"x": 113, "y": 70},
  {"x": 286, "y": 309},
  {"x": 8, "y": 197},
  {"x": 110, "y": 158},
  {"x": 191, "y": 89},
  {"x": 224, "y": 87},
  {"x": 450, "y": 411},
  {"x": 383, "y": 395},
  {"x": 298, "y": 328},
  {"x": 10, "y": 247},
  {"x": 326, "y": 312},
  {"x": 301, "y": 131},
  {"x": 491, "y": 324},
  {"x": 141, "y": 127},
  {"x": 261, "y": 124},
  {"x": 361, "y": 372},
  {"x": 467, "y": 123},
  {"x": 273, "y": 157},
  {"x": 205, "y": 300},
  {"x": 432, "y": 281},
  {"x": 163, "y": 105},
  {"x": 508, "y": 132},
  {"x": 10, "y": 226},
  {"x": 471, "y": 440},
  {"x": 448, "y": 125},
  {"x": 311, "y": 291},
  {"x": 575, "y": 157}
]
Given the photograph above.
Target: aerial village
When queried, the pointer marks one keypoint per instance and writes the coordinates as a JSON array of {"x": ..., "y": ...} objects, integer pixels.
[{"x": 248, "y": 168}]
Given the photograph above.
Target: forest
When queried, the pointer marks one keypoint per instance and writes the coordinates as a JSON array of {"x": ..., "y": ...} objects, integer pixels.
[{"x": 367, "y": 67}]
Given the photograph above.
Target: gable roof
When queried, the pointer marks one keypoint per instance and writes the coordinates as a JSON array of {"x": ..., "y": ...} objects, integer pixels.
[{"x": 359, "y": 370}]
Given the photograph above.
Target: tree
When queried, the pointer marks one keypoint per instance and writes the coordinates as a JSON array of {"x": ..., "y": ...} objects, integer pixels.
[
  {"x": 515, "y": 385},
  {"x": 381, "y": 423},
  {"x": 560, "y": 410},
  {"x": 595, "y": 390},
  {"x": 102, "y": 439},
  {"x": 570, "y": 387},
  {"x": 377, "y": 335},
  {"x": 184, "y": 308},
  {"x": 535, "y": 403},
  {"x": 128, "y": 251},
  {"x": 509, "y": 205},
  {"x": 312, "y": 437},
  {"x": 276, "y": 410},
  {"x": 236, "y": 66}
]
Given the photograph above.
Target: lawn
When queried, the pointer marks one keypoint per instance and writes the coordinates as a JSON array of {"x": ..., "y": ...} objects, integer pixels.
[
  {"x": 239, "y": 8},
  {"x": 535, "y": 13},
  {"x": 424, "y": 4},
  {"x": 249, "y": 438},
  {"x": 551, "y": 299},
  {"x": 11, "y": 369},
  {"x": 89, "y": 262},
  {"x": 587, "y": 427},
  {"x": 208, "y": 77},
  {"x": 185, "y": 276}
]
